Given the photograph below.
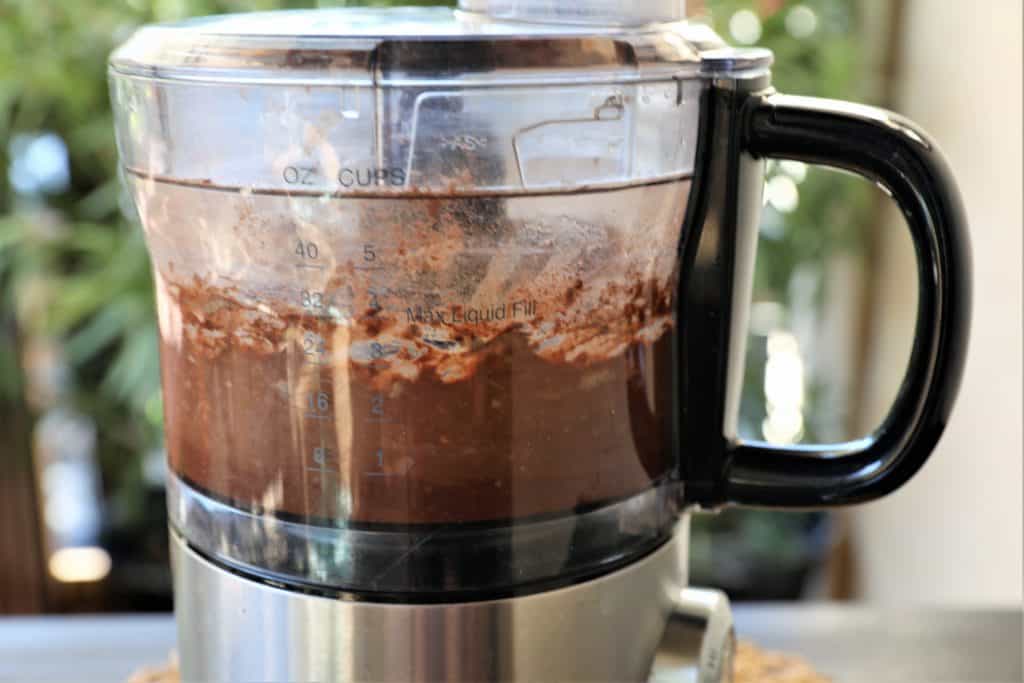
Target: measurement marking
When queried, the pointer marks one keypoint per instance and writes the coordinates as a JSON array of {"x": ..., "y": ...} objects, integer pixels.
[
  {"x": 383, "y": 420},
  {"x": 377, "y": 474},
  {"x": 369, "y": 267},
  {"x": 321, "y": 470},
  {"x": 316, "y": 362},
  {"x": 318, "y": 417},
  {"x": 311, "y": 266},
  {"x": 207, "y": 186}
]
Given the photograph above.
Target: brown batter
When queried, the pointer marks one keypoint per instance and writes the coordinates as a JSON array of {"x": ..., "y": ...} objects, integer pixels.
[
  {"x": 521, "y": 435},
  {"x": 371, "y": 404}
]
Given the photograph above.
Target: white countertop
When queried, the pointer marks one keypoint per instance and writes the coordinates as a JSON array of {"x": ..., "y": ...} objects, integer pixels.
[{"x": 850, "y": 643}]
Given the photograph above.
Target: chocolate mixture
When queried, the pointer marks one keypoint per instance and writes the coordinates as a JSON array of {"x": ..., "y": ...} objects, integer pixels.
[{"x": 359, "y": 403}]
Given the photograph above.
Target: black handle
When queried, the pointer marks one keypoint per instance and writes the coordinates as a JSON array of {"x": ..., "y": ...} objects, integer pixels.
[{"x": 896, "y": 154}]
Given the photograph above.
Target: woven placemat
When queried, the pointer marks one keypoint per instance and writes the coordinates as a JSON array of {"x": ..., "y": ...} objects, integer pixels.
[{"x": 753, "y": 665}]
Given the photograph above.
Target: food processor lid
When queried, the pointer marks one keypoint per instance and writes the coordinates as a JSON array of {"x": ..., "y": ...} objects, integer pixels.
[
  {"x": 616, "y": 12},
  {"x": 485, "y": 42}
]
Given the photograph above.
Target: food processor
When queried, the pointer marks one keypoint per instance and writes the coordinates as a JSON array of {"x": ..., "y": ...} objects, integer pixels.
[{"x": 452, "y": 307}]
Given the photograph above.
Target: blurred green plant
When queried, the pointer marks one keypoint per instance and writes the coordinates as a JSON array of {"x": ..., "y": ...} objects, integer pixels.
[{"x": 70, "y": 266}]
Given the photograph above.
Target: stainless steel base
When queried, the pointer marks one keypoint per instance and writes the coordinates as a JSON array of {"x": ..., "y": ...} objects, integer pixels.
[{"x": 232, "y": 629}]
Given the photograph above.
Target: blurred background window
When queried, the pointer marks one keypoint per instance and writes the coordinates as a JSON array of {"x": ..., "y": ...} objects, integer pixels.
[{"x": 82, "y": 519}]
